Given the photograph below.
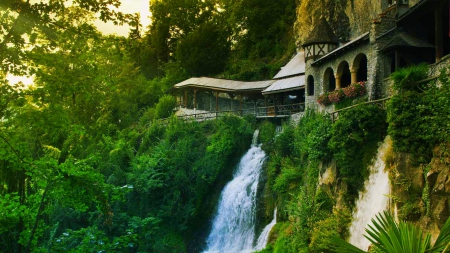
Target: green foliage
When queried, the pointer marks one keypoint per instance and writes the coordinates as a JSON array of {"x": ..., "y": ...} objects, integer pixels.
[
  {"x": 204, "y": 51},
  {"x": 418, "y": 120},
  {"x": 312, "y": 136},
  {"x": 388, "y": 236},
  {"x": 164, "y": 108},
  {"x": 288, "y": 177},
  {"x": 354, "y": 143},
  {"x": 266, "y": 132},
  {"x": 284, "y": 145},
  {"x": 405, "y": 78},
  {"x": 331, "y": 227}
]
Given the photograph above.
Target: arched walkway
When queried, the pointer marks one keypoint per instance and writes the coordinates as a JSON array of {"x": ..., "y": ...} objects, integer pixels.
[
  {"x": 343, "y": 75},
  {"x": 359, "y": 69},
  {"x": 329, "y": 81}
]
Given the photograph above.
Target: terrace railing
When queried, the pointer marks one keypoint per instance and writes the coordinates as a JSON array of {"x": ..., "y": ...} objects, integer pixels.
[{"x": 259, "y": 112}]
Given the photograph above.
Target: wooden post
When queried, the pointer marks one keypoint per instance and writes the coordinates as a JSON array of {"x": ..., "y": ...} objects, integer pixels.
[
  {"x": 354, "y": 74},
  {"x": 217, "y": 101},
  {"x": 338, "y": 81},
  {"x": 438, "y": 32},
  {"x": 275, "y": 98},
  {"x": 186, "y": 98},
  {"x": 240, "y": 104},
  {"x": 195, "y": 99}
]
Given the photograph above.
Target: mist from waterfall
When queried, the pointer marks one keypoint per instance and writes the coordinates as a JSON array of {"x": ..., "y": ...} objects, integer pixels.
[
  {"x": 372, "y": 200},
  {"x": 233, "y": 227}
]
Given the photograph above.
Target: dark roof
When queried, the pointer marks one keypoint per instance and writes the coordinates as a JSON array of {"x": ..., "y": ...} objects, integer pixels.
[
  {"x": 412, "y": 9},
  {"x": 360, "y": 39},
  {"x": 322, "y": 33},
  {"x": 403, "y": 39}
]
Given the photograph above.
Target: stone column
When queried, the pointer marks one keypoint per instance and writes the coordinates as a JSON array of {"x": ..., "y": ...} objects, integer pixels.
[
  {"x": 338, "y": 81},
  {"x": 354, "y": 74}
]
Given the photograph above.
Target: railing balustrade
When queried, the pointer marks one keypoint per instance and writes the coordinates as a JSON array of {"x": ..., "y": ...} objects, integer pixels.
[{"x": 268, "y": 111}]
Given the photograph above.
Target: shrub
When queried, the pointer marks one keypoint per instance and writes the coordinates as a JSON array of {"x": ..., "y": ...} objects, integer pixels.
[
  {"x": 266, "y": 132},
  {"x": 164, "y": 107},
  {"x": 354, "y": 143},
  {"x": 405, "y": 78}
]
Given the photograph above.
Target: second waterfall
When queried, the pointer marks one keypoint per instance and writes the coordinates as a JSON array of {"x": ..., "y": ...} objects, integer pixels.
[{"x": 233, "y": 227}]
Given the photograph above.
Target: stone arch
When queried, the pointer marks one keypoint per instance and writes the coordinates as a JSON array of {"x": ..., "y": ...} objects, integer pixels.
[
  {"x": 343, "y": 77},
  {"x": 310, "y": 85},
  {"x": 329, "y": 81},
  {"x": 359, "y": 69}
]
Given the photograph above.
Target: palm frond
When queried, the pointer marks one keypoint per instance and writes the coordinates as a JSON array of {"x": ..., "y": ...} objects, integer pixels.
[
  {"x": 443, "y": 241},
  {"x": 341, "y": 246}
]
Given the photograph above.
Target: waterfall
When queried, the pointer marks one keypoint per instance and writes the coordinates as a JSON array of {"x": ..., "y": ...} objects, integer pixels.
[
  {"x": 233, "y": 227},
  {"x": 264, "y": 237},
  {"x": 371, "y": 201}
]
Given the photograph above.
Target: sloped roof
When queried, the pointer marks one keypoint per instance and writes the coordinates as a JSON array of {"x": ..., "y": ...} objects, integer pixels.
[
  {"x": 295, "y": 66},
  {"x": 322, "y": 33},
  {"x": 363, "y": 37},
  {"x": 286, "y": 84},
  {"x": 224, "y": 84},
  {"x": 403, "y": 39}
]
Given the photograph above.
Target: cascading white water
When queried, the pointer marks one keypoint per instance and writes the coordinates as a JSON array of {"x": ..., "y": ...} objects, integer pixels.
[
  {"x": 371, "y": 201},
  {"x": 233, "y": 228},
  {"x": 264, "y": 237}
]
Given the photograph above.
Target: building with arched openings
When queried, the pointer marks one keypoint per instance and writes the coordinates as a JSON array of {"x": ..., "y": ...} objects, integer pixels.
[{"x": 401, "y": 36}]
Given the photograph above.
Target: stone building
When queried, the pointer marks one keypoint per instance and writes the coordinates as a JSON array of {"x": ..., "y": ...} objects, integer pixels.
[{"x": 402, "y": 35}]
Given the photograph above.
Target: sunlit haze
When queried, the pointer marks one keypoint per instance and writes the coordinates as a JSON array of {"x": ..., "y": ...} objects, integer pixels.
[{"x": 127, "y": 6}]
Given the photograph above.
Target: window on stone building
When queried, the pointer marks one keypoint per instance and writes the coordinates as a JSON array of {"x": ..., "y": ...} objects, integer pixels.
[
  {"x": 310, "y": 85},
  {"x": 329, "y": 80}
]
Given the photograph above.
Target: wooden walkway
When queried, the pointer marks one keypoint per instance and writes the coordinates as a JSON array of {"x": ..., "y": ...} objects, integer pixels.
[{"x": 269, "y": 112}]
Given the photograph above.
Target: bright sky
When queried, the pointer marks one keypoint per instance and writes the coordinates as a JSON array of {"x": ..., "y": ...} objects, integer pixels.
[{"x": 127, "y": 6}]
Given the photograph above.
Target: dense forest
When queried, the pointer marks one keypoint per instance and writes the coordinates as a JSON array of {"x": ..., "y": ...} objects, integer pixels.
[{"x": 87, "y": 164}]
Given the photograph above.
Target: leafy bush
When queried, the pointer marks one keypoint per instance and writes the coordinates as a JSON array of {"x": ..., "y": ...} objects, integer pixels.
[
  {"x": 164, "y": 107},
  {"x": 418, "y": 119},
  {"x": 354, "y": 143},
  {"x": 405, "y": 78},
  {"x": 266, "y": 132},
  {"x": 312, "y": 136}
]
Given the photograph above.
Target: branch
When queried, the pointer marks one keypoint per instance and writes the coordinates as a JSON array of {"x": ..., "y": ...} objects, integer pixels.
[
  {"x": 14, "y": 150},
  {"x": 40, "y": 210}
]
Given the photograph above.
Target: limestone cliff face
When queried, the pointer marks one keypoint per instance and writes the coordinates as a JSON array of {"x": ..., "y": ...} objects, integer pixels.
[
  {"x": 348, "y": 18},
  {"x": 421, "y": 194}
]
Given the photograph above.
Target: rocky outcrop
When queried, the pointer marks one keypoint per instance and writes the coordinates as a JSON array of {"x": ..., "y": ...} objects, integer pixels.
[
  {"x": 438, "y": 179},
  {"x": 422, "y": 192}
]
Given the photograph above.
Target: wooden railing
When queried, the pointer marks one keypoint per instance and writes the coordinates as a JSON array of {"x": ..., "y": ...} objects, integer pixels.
[
  {"x": 268, "y": 111},
  {"x": 380, "y": 102}
]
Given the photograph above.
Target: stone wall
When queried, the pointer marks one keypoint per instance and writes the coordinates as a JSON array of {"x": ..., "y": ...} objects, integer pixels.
[{"x": 318, "y": 71}]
